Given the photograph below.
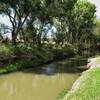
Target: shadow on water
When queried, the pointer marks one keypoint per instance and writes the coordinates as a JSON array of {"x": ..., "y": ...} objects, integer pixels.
[{"x": 66, "y": 66}]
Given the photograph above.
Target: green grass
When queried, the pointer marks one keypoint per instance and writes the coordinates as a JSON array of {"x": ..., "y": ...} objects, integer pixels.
[
  {"x": 87, "y": 87},
  {"x": 62, "y": 94}
]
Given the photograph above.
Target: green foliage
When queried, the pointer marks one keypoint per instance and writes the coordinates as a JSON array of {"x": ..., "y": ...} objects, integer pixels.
[
  {"x": 97, "y": 30},
  {"x": 63, "y": 52},
  {"x": 6, "y": 50},
  {"x": 22, "y": 49},
  {"x": 58, "y": 53},
  {"x": 60, "y": 37},
  {"x": 70, "y": 50},
  {"x": 11, "y": 67},
  {"x": 84, "y": 12},
  {"x": 24, "y": 63},
  {"x": 18, "y": 65},
  {"x": 39, "y": 55},
  {"x": 62, "y": 94},
  {"x": 73, "y": 20},
  {"x": 27, "y": 56}
]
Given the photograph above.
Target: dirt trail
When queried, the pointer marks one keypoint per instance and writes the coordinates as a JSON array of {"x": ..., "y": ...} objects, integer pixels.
[{"x": 93, "y": 62}]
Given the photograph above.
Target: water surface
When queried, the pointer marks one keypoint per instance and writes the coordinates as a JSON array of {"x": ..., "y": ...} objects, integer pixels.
[{"x": 43, "y": 83}]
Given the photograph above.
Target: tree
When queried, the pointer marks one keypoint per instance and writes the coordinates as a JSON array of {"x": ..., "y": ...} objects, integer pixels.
[
  {"x": 18, "y": 12},
  {"x": 81, "y": 22},
  {"x": 75, "y": 17}
]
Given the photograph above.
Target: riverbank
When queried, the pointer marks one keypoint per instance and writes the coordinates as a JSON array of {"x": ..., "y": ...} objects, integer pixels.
[
  {"x": 28, "y": 56},
  {"x": 87, "y": 87}
]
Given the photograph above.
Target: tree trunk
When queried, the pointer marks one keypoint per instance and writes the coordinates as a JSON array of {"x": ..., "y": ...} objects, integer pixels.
[{"x": 13, "y": 38}]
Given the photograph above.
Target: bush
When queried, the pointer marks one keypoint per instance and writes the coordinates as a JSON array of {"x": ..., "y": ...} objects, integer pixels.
[
  {"x": 6, "y": 50},
  {"x": 58, "y": 53},
  {"x": 20, "y": 64},
  {"x": 63, "y": 52},
  {"x": 24, "y": 63},
  {"x": 42, "y": 55},
  {"x": 70, "y": 50},
  {"x": 27, "y": 56},
  {"x": 22, "y": 50}
]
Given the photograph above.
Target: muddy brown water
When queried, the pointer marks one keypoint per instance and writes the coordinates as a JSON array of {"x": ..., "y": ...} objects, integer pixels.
[{"x": 43, "y": 83}]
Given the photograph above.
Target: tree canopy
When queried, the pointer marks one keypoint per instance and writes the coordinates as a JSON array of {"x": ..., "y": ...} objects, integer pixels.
[{"x": 75, "y": 19}]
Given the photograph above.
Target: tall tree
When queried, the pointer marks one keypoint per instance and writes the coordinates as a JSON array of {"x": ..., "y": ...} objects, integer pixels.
[
  {"x": 18, "y": 12},
  {"x": 81, "y": 21}
]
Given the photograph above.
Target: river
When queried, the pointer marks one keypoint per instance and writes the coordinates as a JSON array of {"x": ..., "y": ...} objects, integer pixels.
[{"x": 40, "y": 83}]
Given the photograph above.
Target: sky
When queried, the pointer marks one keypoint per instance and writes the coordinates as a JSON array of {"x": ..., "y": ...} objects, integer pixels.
[
  {"x": 97, "y": 3},
  {"x": 5, "y": 19}
]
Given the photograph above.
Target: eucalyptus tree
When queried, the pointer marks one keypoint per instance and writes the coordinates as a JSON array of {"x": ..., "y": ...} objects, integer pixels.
[
  {"x": 82, "y": 22},
  {"x": 97, "y": 32},
  {"x": 18, "y": 12},
  {"x": 75, "y": 16},
  {"x": 88, "y": 21},
  {"x": 62, "y": 17}
]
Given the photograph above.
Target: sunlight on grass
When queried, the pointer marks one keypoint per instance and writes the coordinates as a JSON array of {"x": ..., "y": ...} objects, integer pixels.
[{"x": 89, "y": 89}]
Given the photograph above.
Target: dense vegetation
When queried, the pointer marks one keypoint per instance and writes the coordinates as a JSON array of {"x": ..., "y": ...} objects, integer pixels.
[
  {"x": 22, "y": 56},
  {"x": 43, "y": 31},
  {"x": 46, "y": 30},
  {"x": 74, "y": 21}
]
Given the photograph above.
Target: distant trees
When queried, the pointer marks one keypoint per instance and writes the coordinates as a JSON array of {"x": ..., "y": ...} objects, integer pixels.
[
  {"x": 78, "y": 23},
  {"x": 73, "y": 19},
  {"x": 97, "y": 32},
  {"x": 83, "y": 22}
]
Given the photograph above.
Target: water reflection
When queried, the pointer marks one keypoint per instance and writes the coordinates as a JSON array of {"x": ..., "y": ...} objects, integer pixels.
[
  {"x": 66, "y": 66},
  {"x": 39, "y": 83}
]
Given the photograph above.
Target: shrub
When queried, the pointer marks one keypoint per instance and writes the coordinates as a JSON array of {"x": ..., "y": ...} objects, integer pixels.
[
  {"x": 20, "y": 64},
  {"x": 42, "y": 55},
  {"x": 70, "y": 50},
  {"x": 22, "y": 50},
  {"x": 6, "y": 50},
  {"x": 58, "y": 53}
]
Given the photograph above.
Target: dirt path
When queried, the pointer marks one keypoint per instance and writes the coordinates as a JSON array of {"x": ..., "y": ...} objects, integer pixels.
[{"x": 93, "y": 62}]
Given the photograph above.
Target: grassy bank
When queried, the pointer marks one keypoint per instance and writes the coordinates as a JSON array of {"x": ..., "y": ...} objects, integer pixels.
[
  {"x": 25, "y": 56},
  {"x": 87, "y": 87}
]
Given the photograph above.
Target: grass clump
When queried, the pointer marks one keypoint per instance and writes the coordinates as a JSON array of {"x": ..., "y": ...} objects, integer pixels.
[{"x": 62, "y": 94}]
